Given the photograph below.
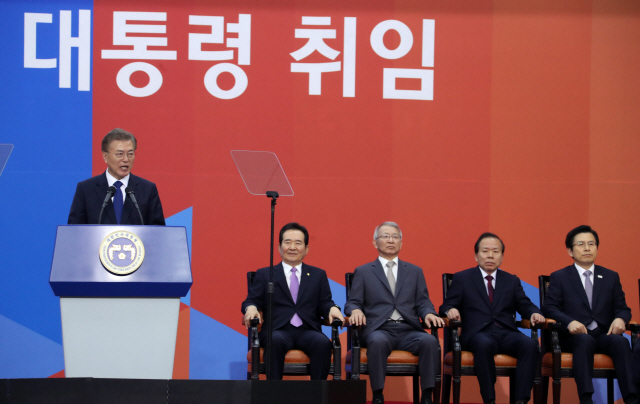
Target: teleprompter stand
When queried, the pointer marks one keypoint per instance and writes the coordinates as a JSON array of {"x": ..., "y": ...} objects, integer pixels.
[{"x": 263, "y": 175}]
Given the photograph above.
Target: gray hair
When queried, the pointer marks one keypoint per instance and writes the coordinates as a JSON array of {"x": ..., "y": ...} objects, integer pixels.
[
  {"x": 118, "y": 134},
  {"x": 390, "y": 224}
]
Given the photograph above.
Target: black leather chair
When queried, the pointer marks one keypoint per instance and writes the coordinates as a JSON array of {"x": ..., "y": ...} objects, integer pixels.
[
  {"x": 459, "y": 363},
  {"x": 557, "y": 364},
  {"x": 296, "y": 362},
  {"x": 399, "y": 363}
]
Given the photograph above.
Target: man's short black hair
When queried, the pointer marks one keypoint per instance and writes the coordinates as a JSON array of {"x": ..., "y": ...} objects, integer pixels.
[
  {"x": 295, "y": 226},
  {"x": 118, "y": 134},
  {"x": 476, "y": 248},
  {"x": 568, "y": 242}
]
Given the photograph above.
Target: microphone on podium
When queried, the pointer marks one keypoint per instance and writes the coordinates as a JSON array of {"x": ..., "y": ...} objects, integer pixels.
[
  {"x": 129, "y": 191},
  {"x": 110, "y": 192}
]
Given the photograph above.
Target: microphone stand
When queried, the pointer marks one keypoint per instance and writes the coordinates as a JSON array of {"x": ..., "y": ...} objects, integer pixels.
[{"x": 270, "y": 287}]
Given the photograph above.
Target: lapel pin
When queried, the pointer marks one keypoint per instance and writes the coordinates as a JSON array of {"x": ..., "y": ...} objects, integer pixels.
[{"x": 599, "y": 276}]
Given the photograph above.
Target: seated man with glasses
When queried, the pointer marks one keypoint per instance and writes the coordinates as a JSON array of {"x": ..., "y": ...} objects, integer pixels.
[
  {"x": 109, "y": 198},
  {"x": 387, "y": 299},
  {"x": 588, "y": 301}
]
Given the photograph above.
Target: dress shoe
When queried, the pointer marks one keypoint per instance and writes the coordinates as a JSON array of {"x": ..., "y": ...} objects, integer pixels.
[
  {"x": 378, "y": 398},
  {"x": 426, "y": 400}
]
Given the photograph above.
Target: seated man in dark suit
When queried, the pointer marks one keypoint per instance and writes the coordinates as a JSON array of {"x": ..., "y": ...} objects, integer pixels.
[
  {"x": 301, "y": 297},
  {"x": 486, "y": 301},
  {"x": 119, "y": 152},
  {"x": 388, "y": 298},
  {"x": 588, "y": 301}
]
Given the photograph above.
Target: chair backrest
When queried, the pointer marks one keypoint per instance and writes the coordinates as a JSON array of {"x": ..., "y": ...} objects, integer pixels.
[
  {"x": 446, "y": 284},
  {"x": 348, "y": 280},
  {"x": 543, "y": 286}
]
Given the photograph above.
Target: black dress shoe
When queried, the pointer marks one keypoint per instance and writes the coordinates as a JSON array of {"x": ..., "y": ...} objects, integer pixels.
[
  {"x": 426, "y": 400},
  {"x": 378, "y": 398}
]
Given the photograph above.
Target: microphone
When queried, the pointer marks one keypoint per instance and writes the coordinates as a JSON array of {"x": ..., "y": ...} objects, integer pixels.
[
  {"x": 110, "y": 192},
  {"x": 129, "y": 191}
]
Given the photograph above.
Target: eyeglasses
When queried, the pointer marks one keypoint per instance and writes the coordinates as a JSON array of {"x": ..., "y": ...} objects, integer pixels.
[
  {"x": 582, "y": 244},
  {"x": 120, "y": 155},
  {"x": 386, "y": 237}
]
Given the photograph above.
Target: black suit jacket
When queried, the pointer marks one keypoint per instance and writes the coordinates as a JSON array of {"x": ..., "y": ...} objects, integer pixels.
[
  {"x": 371, "y": 293},
  {"x": 314, "y": 296},
  {"x": 566, "y": 299},
  {"x": 90, "y": 194},
  {"x": 468, "y": 294}
]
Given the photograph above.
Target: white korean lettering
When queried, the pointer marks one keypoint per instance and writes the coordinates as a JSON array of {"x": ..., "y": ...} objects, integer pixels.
[
  {"x": 31, "y": 21},
  {"x": 211, "y": 84},
  {"x": 122, "y": 27},
  {"x": 377, "y": 43},
  {"x": 82, "y": 42},
  {"x": 123, "y": 79}
]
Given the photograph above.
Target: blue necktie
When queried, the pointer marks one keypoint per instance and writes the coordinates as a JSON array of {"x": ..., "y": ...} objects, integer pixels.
[{"x": 117, "y": 201}]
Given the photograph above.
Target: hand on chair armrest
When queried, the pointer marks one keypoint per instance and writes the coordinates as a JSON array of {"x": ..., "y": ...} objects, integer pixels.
[{"x": 451, "y": 323}]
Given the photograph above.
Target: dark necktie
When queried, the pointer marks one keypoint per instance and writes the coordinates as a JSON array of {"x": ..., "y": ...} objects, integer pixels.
[
  {"x": 118, "y": 202},
  {"x": 489, "y": 278},
  {"x": 296, "y": 321}
]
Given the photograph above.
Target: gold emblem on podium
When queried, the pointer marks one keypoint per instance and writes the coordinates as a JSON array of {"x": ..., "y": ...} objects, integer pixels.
[{"x": 121, "y": 252}]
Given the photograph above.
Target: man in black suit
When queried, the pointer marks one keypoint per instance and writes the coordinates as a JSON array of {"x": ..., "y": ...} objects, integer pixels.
[
  {"x": 588, "y": 301},
  {"x": 119, "y": 152},
  {"x": 301, "y": 297},
  {"x": 486, "y": 301},
  {"x": 387, "y": 299}
]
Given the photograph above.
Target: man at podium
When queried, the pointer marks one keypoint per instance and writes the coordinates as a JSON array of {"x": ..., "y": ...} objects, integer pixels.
[
  {"x": 301, "y": 295},
  {"x": 117, "y": 196}
]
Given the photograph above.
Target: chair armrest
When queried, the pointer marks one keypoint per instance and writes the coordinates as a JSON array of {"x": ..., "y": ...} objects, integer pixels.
[
  {"x": 633, "y": 326},
  {"x": 432, "y": 327},
  {"x": 526, "y": 324},
  {"x": 451, "y": 323},
  {"x": 552, "y": 324}
]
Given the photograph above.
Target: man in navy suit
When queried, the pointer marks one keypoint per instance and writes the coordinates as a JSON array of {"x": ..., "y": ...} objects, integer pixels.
[
  {"x": 588, "y": 301},
  {"x": 119, "y": 152},
  {"x": 486, "y": 301},
  {"x": 388, "y": 298},
  {"x": 301, "y": 298}
]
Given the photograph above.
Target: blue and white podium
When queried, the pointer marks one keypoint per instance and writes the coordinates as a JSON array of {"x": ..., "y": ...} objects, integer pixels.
[{"x": 120, "y": 289}]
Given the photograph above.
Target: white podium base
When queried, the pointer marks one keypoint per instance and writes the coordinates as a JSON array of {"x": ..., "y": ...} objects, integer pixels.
[{"x": 124, "y": 338}]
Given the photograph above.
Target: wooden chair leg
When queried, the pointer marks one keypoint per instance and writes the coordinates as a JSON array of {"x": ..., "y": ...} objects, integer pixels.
[
  {"x": 610, "y": 390},
  {"x": 456, "y": 389},
  {"x": 436, "y": 390},
  {"x": 512, "y": 389},
  {"x": 446, "y": 389},
  {"x": 416, "y": 389},
  {"x": 537, "y": 390},
  {"x": 545, "y": 391},
  {"x": 556, "y": 390}
]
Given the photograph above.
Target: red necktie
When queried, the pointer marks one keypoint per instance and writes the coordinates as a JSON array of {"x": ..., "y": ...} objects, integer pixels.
[{"x": 489, "y": 278}]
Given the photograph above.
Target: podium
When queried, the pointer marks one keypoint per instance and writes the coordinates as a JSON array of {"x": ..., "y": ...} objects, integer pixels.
[{"x": 120, "y": 289}]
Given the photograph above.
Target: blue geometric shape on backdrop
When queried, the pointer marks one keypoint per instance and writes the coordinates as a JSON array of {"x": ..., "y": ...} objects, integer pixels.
[
  {"x": 5, "y": 152},
  {"x": 338, "y": 294},
  {"x": 184, "y": 218},
  {"x": 215, "y": 350},
  {"x": 27, "y": 354},
  {"x": 532, "y": 293}
]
